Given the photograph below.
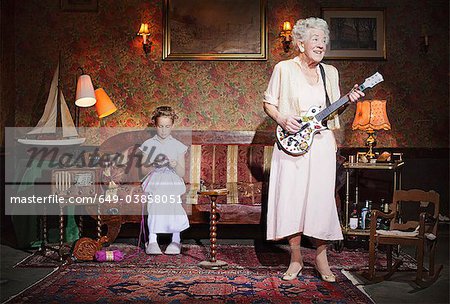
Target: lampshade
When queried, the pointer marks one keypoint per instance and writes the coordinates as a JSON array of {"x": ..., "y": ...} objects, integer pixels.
[
  {"x": 85, "y": 96},
  {"x": 104, "y": 105},
  {"x": 144, "y": 31},
  {"x": 371, "y": 115},
  {"x": 287, "y": 26}
]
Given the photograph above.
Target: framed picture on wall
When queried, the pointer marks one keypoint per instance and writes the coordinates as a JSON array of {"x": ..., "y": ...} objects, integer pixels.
[
  {"x": 215, "y": 30},
  {"x": 79, "y": 5},
  {"x": 356, "y": 33}
]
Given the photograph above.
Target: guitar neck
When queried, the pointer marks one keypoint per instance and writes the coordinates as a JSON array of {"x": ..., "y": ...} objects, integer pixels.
[{"x": 335, "y": 106}]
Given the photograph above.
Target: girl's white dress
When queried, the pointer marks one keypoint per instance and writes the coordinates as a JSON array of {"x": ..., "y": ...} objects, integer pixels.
[
  {"x": 302, "y": 188},
  {"x": 165, "y": 211}
]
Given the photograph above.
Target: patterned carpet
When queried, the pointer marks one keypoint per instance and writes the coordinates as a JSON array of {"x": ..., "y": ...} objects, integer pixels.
[
  {"x": 237, "y": 256},
  {"x": 83, "y": 284},
  {"x": 252, "y": 276}
]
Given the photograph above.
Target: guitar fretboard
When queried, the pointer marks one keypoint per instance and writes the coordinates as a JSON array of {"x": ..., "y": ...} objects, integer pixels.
[{"x": 335, "y": 106}]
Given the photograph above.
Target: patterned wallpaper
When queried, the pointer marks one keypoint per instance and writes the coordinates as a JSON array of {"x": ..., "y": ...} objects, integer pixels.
[{"x": 226, "y": 95}]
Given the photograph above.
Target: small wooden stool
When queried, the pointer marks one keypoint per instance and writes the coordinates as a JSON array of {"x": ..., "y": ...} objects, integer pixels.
[{"x": 213, "y": 263}]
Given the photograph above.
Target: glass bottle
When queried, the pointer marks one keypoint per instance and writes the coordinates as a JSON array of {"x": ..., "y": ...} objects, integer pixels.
[
  {"x": 353, "y": 221},
  {"x": 385, "y": 207},
  {"x": 368, "y": 215},
  {"x": 364, "y": 212},
  {"x": 386, "y": 222}
]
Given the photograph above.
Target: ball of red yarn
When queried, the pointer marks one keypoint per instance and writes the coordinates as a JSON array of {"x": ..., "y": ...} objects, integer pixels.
[{"x": 107, "y": 256}]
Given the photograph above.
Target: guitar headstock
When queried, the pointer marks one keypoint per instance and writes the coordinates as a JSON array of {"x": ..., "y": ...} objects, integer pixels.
[{"x": 373, "y": 80}]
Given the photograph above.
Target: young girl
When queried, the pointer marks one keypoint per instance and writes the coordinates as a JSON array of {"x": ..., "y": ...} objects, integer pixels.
[{"x": 164, "y": 184}]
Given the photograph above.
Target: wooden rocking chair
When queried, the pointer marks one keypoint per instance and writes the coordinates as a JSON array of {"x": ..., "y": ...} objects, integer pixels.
[{"x": 421, "y": 233}]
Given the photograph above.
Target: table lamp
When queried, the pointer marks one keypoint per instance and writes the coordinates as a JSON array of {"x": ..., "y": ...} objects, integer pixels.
[{"x": 371, "y": 116}]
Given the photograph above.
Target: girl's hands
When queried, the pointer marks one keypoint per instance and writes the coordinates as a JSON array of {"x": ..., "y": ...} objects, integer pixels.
[{"x": 173, "y": 163}]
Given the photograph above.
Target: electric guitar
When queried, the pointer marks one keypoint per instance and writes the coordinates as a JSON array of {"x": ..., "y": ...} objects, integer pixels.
[{"x": 313, "y": 122}]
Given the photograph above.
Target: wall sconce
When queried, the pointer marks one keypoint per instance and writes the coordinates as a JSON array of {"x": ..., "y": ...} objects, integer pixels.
[
  {"x": 371, "y": 116},
  {"x": 286, "y": 36},
  {"x": 144, "y": 32}
]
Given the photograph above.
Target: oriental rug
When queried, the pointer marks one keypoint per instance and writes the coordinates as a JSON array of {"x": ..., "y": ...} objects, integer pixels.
[
  {"x": 78, "y": 283},
  {"x": 237, "y": 256},
  {"x": 253, "y": 275}
]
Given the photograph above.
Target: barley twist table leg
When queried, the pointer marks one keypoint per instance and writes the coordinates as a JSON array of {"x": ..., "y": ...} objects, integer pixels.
[
  {"x": 213, "y": 229},
  {"x": 213, "y": 263}
]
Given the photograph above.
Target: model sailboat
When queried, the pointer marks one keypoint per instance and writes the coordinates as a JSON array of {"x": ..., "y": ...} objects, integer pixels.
[{"x": 45, "y": 132}]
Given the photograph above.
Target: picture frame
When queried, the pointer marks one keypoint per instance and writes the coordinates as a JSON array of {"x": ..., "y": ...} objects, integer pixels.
[
  {"x": 356, "y": 33},
  {"x": 79, "y": 5},
  {"x": 215, "y": 30}
]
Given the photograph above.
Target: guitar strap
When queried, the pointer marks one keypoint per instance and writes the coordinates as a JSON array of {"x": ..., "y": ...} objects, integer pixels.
[{"x": 322, "y": 72}]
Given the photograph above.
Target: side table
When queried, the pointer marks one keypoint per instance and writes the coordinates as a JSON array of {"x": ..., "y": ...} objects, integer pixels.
[
  {"x": 213, "y": 263},
  {"x": 71, "y": 184},
  {"x": 393, "y": 167}
]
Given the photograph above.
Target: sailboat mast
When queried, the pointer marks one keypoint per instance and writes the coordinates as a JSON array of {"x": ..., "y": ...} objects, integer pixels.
[{"x": 58, "y": 100}]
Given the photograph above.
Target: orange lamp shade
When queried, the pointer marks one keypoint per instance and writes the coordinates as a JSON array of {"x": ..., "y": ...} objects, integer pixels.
[
  {"x": 104, "y": 105},
  {"x": 371, "y": 115}
]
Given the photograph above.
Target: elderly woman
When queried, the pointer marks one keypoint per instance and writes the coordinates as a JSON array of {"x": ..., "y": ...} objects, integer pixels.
[{"x": 301, "y": 189}]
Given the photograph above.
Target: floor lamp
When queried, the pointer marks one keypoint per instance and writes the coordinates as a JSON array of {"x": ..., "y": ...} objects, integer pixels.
[{"x": 86, "y": 97}]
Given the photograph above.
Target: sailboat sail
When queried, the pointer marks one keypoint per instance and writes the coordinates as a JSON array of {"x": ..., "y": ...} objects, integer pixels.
[
  {"x": 48, "y": 121},
  {"x": 68, "y": 126}
]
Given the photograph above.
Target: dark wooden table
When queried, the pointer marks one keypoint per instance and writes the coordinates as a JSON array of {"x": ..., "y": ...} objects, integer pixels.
[{"x": 213, "y": 263}]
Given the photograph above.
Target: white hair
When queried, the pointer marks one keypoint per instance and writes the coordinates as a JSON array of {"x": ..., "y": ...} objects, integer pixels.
[{"x": 302, "y": 28}]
